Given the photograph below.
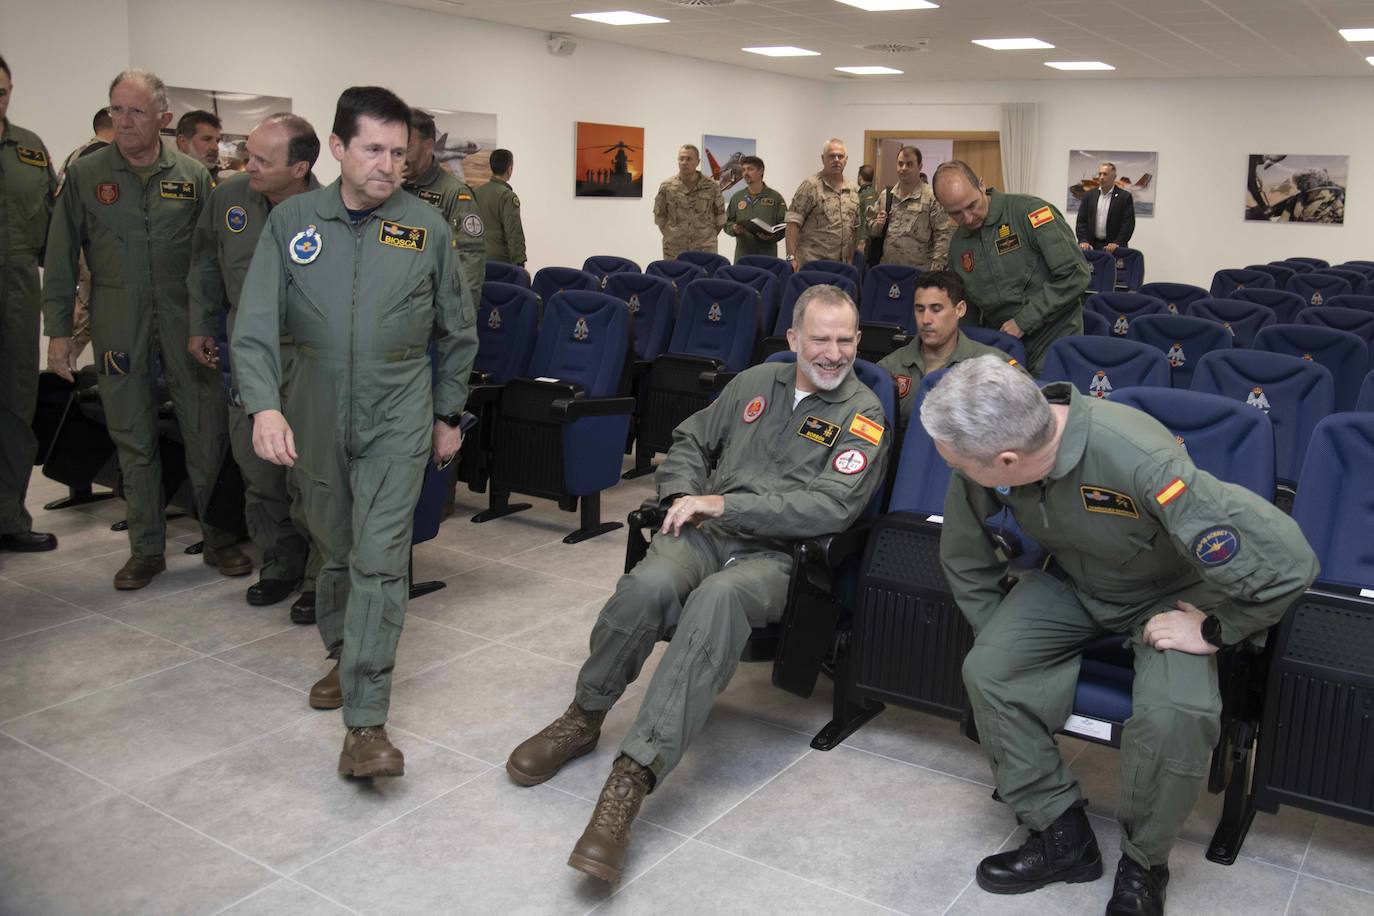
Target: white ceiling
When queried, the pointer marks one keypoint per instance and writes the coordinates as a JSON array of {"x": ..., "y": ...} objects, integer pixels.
[{"x": 1141, "y": 38}]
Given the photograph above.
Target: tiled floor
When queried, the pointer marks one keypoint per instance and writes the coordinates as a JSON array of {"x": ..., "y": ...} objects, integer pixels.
[{"x": 157, "y": 756}]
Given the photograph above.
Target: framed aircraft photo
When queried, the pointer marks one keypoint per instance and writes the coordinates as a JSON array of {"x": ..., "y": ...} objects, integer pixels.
[
  {"x": 609, "y": 160},
  {"x": 463, "y": 142},
  {"x": 1281, "y": 188},
  {"x": 1136, "y": 172},
  {"x": 720, "y": 158}
]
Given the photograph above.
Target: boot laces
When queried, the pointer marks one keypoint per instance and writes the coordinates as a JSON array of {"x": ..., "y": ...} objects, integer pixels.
[
  {"x": 370, "y": 733},
  {"x": 572, "y": 724},
  {"x": 619, "y": 802},
  {"x": 1136, "y": 879}
]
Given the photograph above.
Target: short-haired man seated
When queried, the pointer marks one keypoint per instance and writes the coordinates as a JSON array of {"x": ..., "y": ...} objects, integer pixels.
[
  {"x": 801, "y": 448},
  {"x": 938, "y": 343},
  {"x": 1143, "y": 543}
]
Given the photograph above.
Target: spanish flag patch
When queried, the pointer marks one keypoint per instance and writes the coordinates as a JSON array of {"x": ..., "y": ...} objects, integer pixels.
[
  {"x": 866, "y": 429},
  {"x": 1040, "y": 217},
  {"x": 1172, "y": 492}
]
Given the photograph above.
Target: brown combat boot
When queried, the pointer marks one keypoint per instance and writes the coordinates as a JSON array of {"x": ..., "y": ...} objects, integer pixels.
[
  {"x": 570, "y": 735},
  {"x": 138, "y": 571},
  {"x": 230, "y": 561},
  {"x": 601, "y": 850},
  {"x": 327, "y": 692},
  {"x": 367, "y": 752}
]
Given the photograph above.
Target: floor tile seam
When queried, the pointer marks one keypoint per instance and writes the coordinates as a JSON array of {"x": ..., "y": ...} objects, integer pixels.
[
  {"x": 217, "y": 652},
  {"x": 540, "y": 655},
  {"x": 46, "y": 569},
  {"x": 39, "y": 591},
  {"x": 639, "y": 818},
  {"x": 756, "y": 790},
  {"x": 958, "y": 897},
  {"x": 601, "y": 599},
  {"x": 218, "y": 842},
  {"x": 617, "y": 889},
  {"x": 1369, "y": 892},
  {"x": 918, "y": 766},
  {"x": 441, "y": 745},
  {"x": 52, "y": 626},
  {"x": 509, "y": 562},
  {"x": 91, "y": 693},
  {"x": 146, "y": 632},
  {"x": 262, "y": 890}
]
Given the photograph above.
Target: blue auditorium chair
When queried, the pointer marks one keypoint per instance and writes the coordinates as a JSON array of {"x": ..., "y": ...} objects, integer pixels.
[
  {"x": 602, "y": 266},
  {"x": 1356, "y": 321},
  {"x": 1241, "y": 318},
  {"x": 1130, "y": 269},
  {"x": 1350, "y": 301},
  {"x": 1009, "y": 345},
  {"x": 1315, "y": 288},
  {"x": 1225, "y": 282},
  {"x": 1359, "y": 282},
  {"x": 1343, "y": 354},
  {"x": 560, "y": 433},
  {"x": 1177, "y": 296},
  {"x": 1098, "y": 365},
  {"x": 765, "y": 282},
  {"x": 1310, "y": 262},
  {"x": 679, "y": 273},
  {"x": 1294, "y": 393},
  {"x": 1280, "y": 273},
  {"x": 708, "y": 261},
  {"x": 429, "y": 512},
  {"x": 848, "y": 271},
  {"x": 1298, "y": 267},
  {"x": 1362, "y": 266},
  {"x": 1120, "y": 309},
  {"x": 1366, "y": 399},
  {"x": 1182, "y": 339},
  {"x": 502, "y": 272},
  {"x": 888, "y": 295},
  {"x": 860, "y": 264},
  {"x": 652, "y": 302},
  {"x": 1103, "y": 266},
  {"x": 778, "y": 267},
  {"x": 796, "y": 285},
  {"x": 1281, "y": 302},
  {"x": 713, "y": 339},
  {"x": 1094, "y": 325},
  {"x": 551, "y": 280}
]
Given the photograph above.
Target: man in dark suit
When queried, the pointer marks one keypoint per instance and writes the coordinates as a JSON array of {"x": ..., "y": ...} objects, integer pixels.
[{"x": 1106, "y": 227}]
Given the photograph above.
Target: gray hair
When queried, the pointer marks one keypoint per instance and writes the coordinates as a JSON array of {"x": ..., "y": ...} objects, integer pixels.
[
  {"x": 831, "y": 142},
  {"x": 151, "y": 81},
  {"x": 1110, "y": 165},
  {"x": 827, "y": 294},
  {"x": 985, "y": 406},
  {"x": 691, "y": 146}
]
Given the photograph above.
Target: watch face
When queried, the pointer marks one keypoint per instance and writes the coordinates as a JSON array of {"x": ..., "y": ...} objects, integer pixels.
[{"x": 1211, "y": 630}]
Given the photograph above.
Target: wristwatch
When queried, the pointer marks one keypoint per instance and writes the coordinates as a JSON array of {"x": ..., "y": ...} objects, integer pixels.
[
  {"x": 452, "y": 420},
  {"x": 1211, "y": 631},
  {"x": 791, "y": 257}
]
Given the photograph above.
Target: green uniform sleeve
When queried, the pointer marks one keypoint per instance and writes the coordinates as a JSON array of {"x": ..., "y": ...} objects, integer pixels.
[
  {"x": 514, "y": 229},
  {"x": 972, "y": 566},
  {"x": 1067, "y": 268},
  {"x": 61, "y": 261},
  {"x": 688, "y": 464},
  {"x": 733, "y": 208},
  {"x": 258, "y": 325},
  {"x": 455, "y": 332},
  {"x": 48, "y": 202},
  {"x": 1236, "y": 541},
  {"x": 205, "y": 283}
]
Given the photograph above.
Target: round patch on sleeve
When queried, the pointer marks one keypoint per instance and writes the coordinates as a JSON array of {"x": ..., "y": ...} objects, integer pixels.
[
  {"x": 754, "y": 409},
  {"x": 1216, "y": 546},
  {"x": 850, "y": 461}
]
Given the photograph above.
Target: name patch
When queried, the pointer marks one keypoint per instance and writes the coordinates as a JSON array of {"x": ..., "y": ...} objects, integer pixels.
[
  {"x": 177, "y": 190},
  {"x": 1108, "y": 502},
  {"x": 866, "y": 429},
  {"x": 1009, "y": 244},
  {"x": 1216, "y": 546},
  {"x": 32, "y": 156},
  {"x": 411, "y": 238},
  {"x": 430, "y": 197},
  {"x": 1040, "y": 217},
  {"x": 822, "y": 432}
]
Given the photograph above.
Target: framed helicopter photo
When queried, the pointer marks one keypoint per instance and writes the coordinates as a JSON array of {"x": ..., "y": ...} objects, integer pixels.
[
  {"x": 1281, "y": 188},
  {"x": 1136, "y": 171},
  {"x": 608, "y": 160}
]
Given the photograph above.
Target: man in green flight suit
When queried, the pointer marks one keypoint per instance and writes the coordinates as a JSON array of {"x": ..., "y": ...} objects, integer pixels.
[
  {"x": 755, "y": 201},
  {"x": 1018, "y": 257},
  {"x": 132, "y": 208},
  {"x": 499, "y": 208},
  {"x": 27, "y": 185},
  {"x": 804, "y": 448},
  {"x": 868, "y": 199},
  {"x": 428, "y": 180},
  {"x": 938, "y": 344},
  {"x": 362, "y": 278},
  {"x": 281, "y": 152},
  {"x": 1143, "y": 543}
]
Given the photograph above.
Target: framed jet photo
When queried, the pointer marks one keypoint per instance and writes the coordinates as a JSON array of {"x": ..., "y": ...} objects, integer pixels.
[
  {"x": 463, "y": 143},
  {"x": 720, "y": 158},
  {"x": 1281, "y": 188},
  {"x": 609, "y": 160},
  {"x": 1136, "y": 172}
]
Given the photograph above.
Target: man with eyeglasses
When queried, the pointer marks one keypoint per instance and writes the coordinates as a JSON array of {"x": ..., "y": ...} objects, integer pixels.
[{"x": 132, "y": 207}]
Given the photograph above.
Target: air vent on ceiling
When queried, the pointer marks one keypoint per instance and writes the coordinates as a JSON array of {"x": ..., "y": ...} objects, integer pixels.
[
  {"x": 895, "y": 47},
  {"x": 702, "y": 2}
]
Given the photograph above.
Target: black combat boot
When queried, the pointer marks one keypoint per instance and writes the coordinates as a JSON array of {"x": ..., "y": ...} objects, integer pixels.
[
  {"x": 1064, "y": 851},
  {"x": 1139, "y": 891}
]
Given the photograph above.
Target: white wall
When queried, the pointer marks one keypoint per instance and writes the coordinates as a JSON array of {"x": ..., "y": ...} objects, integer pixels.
[{"x": 1203, "y": 130}]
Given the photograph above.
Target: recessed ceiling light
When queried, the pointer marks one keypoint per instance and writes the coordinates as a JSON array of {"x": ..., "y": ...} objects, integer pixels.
[
  {"x": 619, "y": 17},
  {"x": 887, "y": 6},
  {"x": 1012, "y": 44},
  {"x": 1078, "y": 65},
  {"x": 1371, "y": 61},
  {"x": 783, "y": 51},
  {"x": 1357, "y": 34},
  {"x": 869, "y": 71}
]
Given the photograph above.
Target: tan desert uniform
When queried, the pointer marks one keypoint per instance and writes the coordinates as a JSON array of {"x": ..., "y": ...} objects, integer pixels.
[
  {"x": 691, "y": 215},
  {"x": 499, "y": 207},
  {"x": 455, "y": 200},
  {"x": 918, "y": 229},
  {"x": 786, "y": 472},
  {"x": 136, "y": 232},
  {"x": 907, "y": 365},
  {"x": 1134, "y": 527},
  {"x": 828, "y": 220}
]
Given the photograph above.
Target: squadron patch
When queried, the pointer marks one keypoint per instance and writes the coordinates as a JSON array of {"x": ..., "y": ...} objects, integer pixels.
[
  {"x": 515, "y": 200},
  {"x": 411, "y": 238},
  {"x": 1216, "y": 546},
  {"x": 581, "y": 331},
  {"x": 754, "y": 409},
  {"x": 822, "y": 432},
  {"x": 713, "y": 313},
  {"x": 494, "y": 319},
  {"x": 1100, "y": 386},
  {"x": 634, "y": 303},
  {"x": 176, "y": 190},
  {"x": 1176, "y": 356},
  {"x": 1121, "y": 326},
  {"x": 32, "y": 156},
  {"x": 1256, "y": 398},
  {"x": 1009, "y": 244},
  {"x": 903, "y": 385},
  {"x": 305, "y": 245},
  {"x": 866, "y": 429},
  {"x": 850, "y": 461},
  {"x": 1040, "y": 217},
  {"x": 894, "y": 292},
  {"x": 472, "y": 224},
  {"x": 115, "y": 362},
  {"x": 1172, "y": 491},
  {"x": 236, "y": 218},
  {"x": 1108, "y": 502},
  {"x": 743, "y": 205},
  {"x": 107, "y": 192},
  {"x": 430, "y": 197},
  {"x": 966, "y": 262}
]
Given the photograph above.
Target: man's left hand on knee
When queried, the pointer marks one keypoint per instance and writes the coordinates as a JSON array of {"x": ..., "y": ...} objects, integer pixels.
[{"x": 1179, "y": 629}]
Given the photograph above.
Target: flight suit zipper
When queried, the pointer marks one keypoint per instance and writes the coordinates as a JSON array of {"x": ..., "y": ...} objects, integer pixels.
[
  {"x": 1044, "y": 513},
  {"x": 353, "y": 334},
  {"x": 4, "y": 224}
]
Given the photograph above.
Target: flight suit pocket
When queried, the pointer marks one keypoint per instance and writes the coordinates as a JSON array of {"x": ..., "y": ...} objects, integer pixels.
[{"x": 409, "y": 321}]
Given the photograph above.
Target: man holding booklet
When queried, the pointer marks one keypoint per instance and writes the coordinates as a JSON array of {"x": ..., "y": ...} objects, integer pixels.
[{"x": 755, "y": 214}]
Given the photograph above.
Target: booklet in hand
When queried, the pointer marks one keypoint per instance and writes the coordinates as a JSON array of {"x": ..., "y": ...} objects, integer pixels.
[{"x": 760, "y": 224}]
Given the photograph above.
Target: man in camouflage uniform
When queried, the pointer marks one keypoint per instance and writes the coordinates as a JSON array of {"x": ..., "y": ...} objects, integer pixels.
[
  {"x": 688, "y": 209},
  {"x": 823, "y": 217},
  {"x": 915, "y": 226},
  {"x": 432, "y": 183},
  {"x": 868, "y": 197},
  {"x": 499, "y": 208},
  {"x": 755, "y": 201}
]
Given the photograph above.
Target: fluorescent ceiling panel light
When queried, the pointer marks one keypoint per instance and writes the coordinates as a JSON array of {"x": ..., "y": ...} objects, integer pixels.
[
  {"x": 869, "y": 71},
  {"x": 783, "y": 51},
  {"x": 1357, "y": 34},
  {"x": 1371, "y": 61},
  {"x": 619, "y": 17},
  {"x": 1012, "y": 44},
  {"x": 1078, "y": 65},
  {"x": 888, "y": 6}
]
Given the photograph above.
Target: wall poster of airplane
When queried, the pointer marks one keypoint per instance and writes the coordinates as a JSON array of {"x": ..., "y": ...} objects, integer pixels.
[
  {"x": 720, "y": 158},
  {"x": 609, "y": 160},
  {"x": 1137, "y": 172},
  {"x": 463, "y": 141},
  {"x": 239, "y": 112}
]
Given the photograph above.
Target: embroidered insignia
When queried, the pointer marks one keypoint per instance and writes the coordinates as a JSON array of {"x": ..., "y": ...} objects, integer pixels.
[
  {"x": 32, "y": 156},
  {"x": 464, "y": 196},
  {"x": 894, "y": 292},
  {"x": 305, "y": 245},
  {"x": 713, "y": 313},
  {"x": 634, "y": 303},
  {"x": 1121, "y": 326},
  {"x": 1317, "y": 297},
  {"x": 411, "y": 238},
  {"x": 176, "y": 190},
  {"x": 1100, "y": 386},
  {"x": 1108, "y": 502},
  {"x": 1175, "y": 356},
  {"x": 114, "y": 362},
  {"x": 819, "y": 431},
  {"x": 107, "y": 192},
  {"x": 850, "y": 461},
  {"x": 1256, "y": 398},
  {"x": 866, "y": 429},
  {"x": 236, "y": 218},
  {"x": 1004, "y": 230},
  {"x": 494, "y": 319},
  {"x": 472, "y": 224},
  {"x": 1217, "y": 546},
  {"x": 903, "y": 385},
  {"x": 1003, "y": 490},
  {"x": 1040, "y": 217},
  {"x": 743, "y": 205},
  {"x": 966, "y": 261},
  {"x": 580, "y": 330},
  {"x": 754, "y": 409},
  {"x": 431, "y": 197},
  {"x": 1171, "y": 492},
  {"x": 1009, "y": 244}
]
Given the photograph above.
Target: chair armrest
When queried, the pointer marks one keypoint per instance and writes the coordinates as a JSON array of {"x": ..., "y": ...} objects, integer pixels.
[
  {"x": 830, "y": 550},
  {"x": 716, "y": 379},
  {"x": 477, "y": 377},
  {"x": 570, "y": 409},
  {"x": 651, "y": 517},
  {"x": 483, "y": 395}
]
